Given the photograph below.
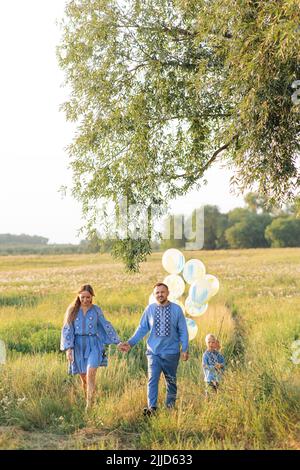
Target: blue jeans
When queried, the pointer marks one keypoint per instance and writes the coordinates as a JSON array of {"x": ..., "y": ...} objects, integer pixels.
[{"x": 156, "y": 365}]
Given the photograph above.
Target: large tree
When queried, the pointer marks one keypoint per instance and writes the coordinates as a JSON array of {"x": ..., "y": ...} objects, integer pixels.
[
  {"x": 162, "y": 88},
  {"x": 283, "y": 231},
  {"x": 249, "y": 231}
]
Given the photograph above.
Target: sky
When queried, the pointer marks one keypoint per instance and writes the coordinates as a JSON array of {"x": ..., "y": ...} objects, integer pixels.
[{"x": 34, "y": 133}]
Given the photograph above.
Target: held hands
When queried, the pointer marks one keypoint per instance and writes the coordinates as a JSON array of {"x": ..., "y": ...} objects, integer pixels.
[
  {"x": 70, "y": 355},
  {"x": 124, "y": 347},
  {"x": 184, "y": 356}
]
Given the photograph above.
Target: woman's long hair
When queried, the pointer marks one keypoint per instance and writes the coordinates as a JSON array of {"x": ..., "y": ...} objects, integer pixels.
[{"x": 74, "y": 307}]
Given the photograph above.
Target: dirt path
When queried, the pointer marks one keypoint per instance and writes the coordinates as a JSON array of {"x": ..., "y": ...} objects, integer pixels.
[{"x": 15, "y": 438}]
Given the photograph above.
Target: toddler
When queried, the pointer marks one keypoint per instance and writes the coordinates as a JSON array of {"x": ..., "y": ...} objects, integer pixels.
[{"x": 213, "y": 363}]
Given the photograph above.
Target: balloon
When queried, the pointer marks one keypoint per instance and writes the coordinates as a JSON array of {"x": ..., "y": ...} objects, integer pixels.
[
  {"x": 193, "y": 270},
  {"x": 192, "y": 328},
  {"x": 2, "y": 352},
  {"x": 214, "y": 284},
  {"x": 152, "y": 299},
  {"x": 176, "y": 286},
  {"x": 199, "y": 292},
  {"x": 193, "y": 309},
  {"x": 173, "y": 261},
  {"x": 204, "y": 289}
]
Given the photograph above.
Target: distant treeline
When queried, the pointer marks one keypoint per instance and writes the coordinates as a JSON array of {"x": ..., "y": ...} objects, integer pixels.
[
  {"x": 253, "y": 226},
  {"x": 34, "y": 244},
  {"x": 256, "y": 225},
  {"x": 54, "y": 249},
  {"x": 23, "y": 239}
]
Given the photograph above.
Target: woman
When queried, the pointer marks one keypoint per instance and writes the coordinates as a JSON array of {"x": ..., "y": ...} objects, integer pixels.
[{"x": 84, "y": 336}]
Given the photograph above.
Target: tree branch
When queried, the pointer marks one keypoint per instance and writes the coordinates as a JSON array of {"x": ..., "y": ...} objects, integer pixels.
[
  {"x": 175, "y": 63},
  {"x": 210, "y": 161},
  {"x": 157, "y": 28}
]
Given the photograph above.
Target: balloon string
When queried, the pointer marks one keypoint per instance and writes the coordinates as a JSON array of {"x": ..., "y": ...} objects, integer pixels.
[{"x": 221, "y": 327}]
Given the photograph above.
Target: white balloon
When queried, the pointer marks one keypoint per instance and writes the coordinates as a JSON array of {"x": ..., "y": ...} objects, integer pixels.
[
  {"x": 2, "y": 352},
  {"x": 173, "y": 261},
  {"x": 193, "y": 309},
  {"x": 214, "y": 284},
  {"x": 193, "y": 270},
  {"x": 192, "y": 328},
  {"x": 152, "y": 299},
  {"x": 199, "y": 292},
  {"x": 176, "y": 286}
]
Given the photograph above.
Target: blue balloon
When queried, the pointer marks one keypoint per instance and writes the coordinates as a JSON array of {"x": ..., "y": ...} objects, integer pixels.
[
  {"x": 195, "y": 310},
  {"x": 193, "y": 270},
  {"x": 192, "y": 328},
  {"x": 198, "y": 295}
]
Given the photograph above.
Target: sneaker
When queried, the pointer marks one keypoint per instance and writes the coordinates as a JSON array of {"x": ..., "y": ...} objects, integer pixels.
[
  {"x": 171, "y": 406},
  {"x": 149, "y": 411}
]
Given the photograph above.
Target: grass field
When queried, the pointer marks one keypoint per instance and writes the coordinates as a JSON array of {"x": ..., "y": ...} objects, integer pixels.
[{"x": 258, "y": 407}]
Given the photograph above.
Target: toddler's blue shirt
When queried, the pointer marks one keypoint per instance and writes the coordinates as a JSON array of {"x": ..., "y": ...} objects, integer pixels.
[{"x": 209, "y": 360}]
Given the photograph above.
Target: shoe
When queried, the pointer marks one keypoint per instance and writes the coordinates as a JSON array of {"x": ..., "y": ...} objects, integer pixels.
[
  {"x": 170, "y": 406},
  {"x": 149, "y": 411}
]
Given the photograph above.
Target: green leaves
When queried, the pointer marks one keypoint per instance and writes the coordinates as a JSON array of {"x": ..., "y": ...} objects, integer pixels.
[
  {"x": 261, "y": 60},
  {"x": 160, "y": 88},
  {"x": 284, "y": 231},
  {"x": 131, "y": 252}
]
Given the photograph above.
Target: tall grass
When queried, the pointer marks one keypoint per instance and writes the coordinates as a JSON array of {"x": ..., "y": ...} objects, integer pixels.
[{"x": 256, "y": 315}]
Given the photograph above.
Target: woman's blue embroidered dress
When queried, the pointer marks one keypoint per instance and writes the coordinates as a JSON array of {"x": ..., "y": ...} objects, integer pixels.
[{"x": 87, "y": 336}]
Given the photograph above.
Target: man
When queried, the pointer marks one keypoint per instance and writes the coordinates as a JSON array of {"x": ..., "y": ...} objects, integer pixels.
[{"x": 167, "y": 326}]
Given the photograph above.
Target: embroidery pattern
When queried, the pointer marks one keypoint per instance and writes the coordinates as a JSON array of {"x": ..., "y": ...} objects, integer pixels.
[{"x": 163, "y": 320}]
